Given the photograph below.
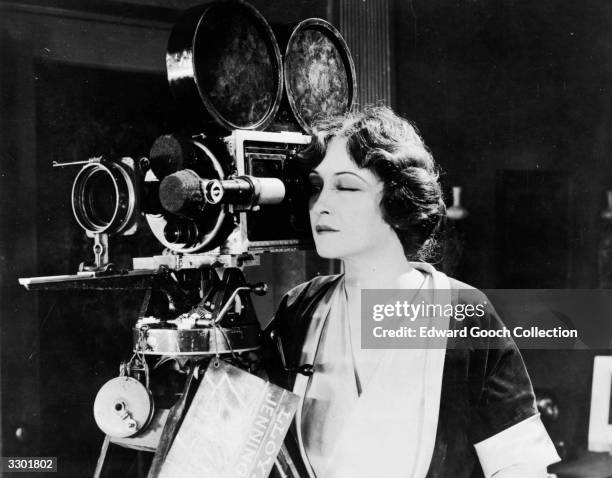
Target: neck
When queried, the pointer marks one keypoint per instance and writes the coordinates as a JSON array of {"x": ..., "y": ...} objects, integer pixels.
[{"x": 379, "y": 269}]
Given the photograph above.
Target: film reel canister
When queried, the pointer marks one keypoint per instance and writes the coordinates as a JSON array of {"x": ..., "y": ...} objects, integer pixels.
[{"x": 123, "y": 407}]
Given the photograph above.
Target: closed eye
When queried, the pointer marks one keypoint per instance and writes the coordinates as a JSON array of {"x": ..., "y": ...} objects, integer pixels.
[{"x": 348, "y": 184}]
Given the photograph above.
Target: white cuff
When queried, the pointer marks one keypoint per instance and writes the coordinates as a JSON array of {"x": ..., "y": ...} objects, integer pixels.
[{"x": 526, "y": 442}]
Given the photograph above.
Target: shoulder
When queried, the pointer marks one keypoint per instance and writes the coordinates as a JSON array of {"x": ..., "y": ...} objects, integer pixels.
[
  {"x": 467, "y": 296},
  {"x": 294, "y": 314},
  {"x": 309, "y": 290},
  {"x": 461, "y": 292},
  {"x": 465, "y": 293},
  {"x": 483, "y": 331},
  {"x": 298, "y": 303}
]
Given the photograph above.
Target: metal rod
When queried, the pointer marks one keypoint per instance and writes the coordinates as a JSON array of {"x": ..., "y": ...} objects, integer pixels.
[
  {"x": 229, "y": 303},
  {"x": 57, "y": 164}
]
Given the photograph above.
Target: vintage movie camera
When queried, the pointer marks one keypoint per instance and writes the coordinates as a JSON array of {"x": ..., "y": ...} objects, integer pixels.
[{"x": 214, "y": 197}]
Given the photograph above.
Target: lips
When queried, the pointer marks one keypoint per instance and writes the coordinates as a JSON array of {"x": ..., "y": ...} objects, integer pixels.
[{"x": 322, "y": 228}]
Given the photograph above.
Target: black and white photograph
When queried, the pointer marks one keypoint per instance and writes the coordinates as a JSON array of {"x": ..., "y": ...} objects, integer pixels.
[{"x": 306, "y": 238}]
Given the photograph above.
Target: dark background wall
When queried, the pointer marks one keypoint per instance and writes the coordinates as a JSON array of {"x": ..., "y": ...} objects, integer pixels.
[
  {"x": 512, "y": 85},
  {"x": 512, "y": 98}
]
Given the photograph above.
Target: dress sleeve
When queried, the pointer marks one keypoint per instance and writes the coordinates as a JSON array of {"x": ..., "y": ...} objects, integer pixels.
[
  {"x": 507, "y": 431},
  {"x": 524, "y": 449}
]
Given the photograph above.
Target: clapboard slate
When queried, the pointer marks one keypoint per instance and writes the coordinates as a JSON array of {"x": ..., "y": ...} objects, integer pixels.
[{"x": 234, "y": 427}]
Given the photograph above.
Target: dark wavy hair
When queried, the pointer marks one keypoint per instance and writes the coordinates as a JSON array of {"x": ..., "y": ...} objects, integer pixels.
[{"x": 391, "y": 147}]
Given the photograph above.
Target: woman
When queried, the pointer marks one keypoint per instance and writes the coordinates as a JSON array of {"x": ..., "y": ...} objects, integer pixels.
[{"x": 436, "y": 411}]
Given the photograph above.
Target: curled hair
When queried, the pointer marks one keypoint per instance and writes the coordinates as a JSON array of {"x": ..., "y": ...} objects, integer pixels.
[{"x": 389, "y": 146}]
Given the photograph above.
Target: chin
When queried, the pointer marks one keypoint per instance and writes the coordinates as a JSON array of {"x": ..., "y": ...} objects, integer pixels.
[
  {"x": 327, "y": 251},
  {"x": 328, "y": 256}
]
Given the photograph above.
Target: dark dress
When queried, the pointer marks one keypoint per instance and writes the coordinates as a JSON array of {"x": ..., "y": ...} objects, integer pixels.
[{"x": 485, "y": 386}]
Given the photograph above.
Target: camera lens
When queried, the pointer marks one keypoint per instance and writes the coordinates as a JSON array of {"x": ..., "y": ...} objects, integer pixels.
[
  {"x": 100, "y": 198},
  {"x": 180, "y": 232},
  {"x": 103, "y": 197}
]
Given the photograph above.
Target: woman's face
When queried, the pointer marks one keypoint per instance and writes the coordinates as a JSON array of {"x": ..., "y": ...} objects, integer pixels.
[{"x": 345, "y": 214}]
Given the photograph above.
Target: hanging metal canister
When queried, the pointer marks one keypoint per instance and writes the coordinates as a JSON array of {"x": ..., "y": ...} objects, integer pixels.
[
  {"x": 319, "y": 73},
  {"x": 224, "y": 67}
]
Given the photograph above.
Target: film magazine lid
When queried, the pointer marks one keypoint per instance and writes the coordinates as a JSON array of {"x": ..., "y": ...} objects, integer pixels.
[
  {"x": 224, "y": 67},
  {"x": 319, "y": 72}
]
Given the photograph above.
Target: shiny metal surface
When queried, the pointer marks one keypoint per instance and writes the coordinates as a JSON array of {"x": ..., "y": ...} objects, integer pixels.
[
  {"x": 104, "y": 197},
  {"x": 123, "y": 407},
  {"x": 197, "y": 341}
]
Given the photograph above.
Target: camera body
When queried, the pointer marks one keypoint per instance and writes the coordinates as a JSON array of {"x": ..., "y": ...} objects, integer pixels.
[{"x": 246, "y": 193}]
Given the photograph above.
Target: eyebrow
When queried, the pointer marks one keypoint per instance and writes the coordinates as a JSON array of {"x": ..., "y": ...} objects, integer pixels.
[
  {"x": 339, "y": 173},
  {"x": 352, "y": 174}
]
